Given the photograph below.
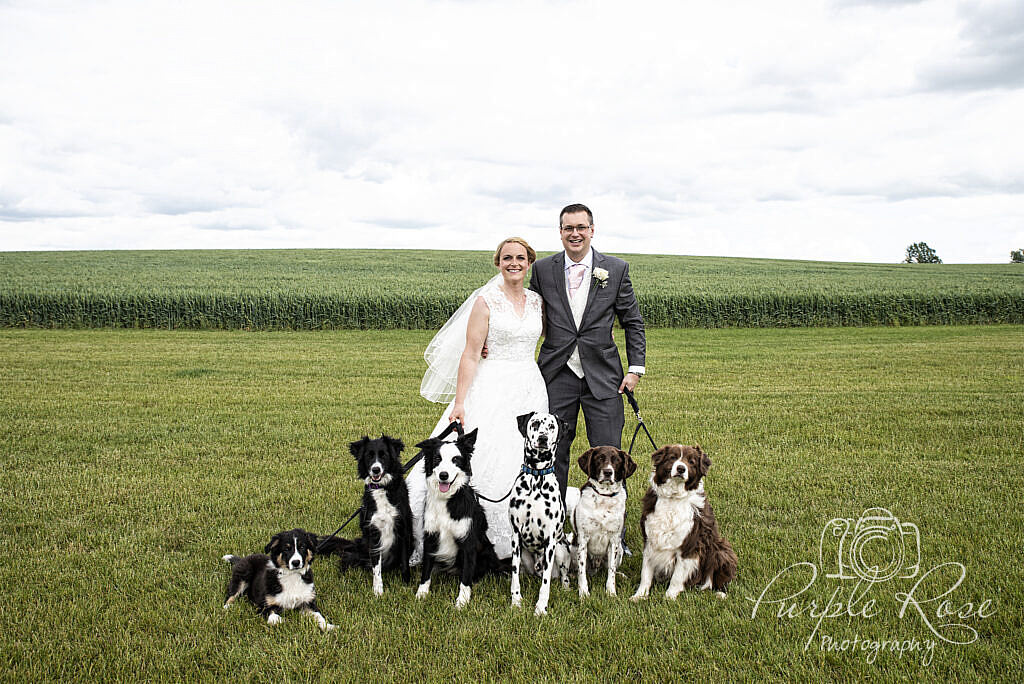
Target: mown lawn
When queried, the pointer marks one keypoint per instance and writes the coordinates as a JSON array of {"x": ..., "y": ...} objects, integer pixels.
[{"x": 132, "y": 460}]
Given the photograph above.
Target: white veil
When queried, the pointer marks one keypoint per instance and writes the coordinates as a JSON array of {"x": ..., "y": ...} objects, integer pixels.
[{"x": 445, "y": 351}]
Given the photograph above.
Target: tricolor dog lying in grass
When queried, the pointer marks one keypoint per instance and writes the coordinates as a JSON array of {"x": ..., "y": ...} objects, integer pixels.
[{"x": 279, "y": 579}]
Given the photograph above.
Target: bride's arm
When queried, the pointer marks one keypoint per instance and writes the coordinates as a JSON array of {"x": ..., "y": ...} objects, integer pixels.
[{"x": 476, "y": 335}]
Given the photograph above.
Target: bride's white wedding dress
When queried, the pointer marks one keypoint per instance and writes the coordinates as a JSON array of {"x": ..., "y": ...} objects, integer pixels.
[{"x": 507, "y": 384}]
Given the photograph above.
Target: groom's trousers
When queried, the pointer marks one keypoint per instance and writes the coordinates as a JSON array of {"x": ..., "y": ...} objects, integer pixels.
[{"x": 604, "y": 418}]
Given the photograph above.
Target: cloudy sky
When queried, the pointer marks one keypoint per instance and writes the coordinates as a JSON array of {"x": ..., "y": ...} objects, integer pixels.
[{"x": 808, "y": 129}]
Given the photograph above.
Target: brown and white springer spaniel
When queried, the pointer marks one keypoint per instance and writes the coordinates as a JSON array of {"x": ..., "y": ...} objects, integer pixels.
[
  {"x": 601, "y": 513},
  {"x": 681, "y": 538}
]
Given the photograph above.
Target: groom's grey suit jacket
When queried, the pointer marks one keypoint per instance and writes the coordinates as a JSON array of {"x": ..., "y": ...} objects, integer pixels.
[{"x": 599, "y": 356}]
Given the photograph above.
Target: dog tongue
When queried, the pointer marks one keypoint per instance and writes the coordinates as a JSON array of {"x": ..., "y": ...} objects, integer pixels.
[{"x": 444, "y": 486}]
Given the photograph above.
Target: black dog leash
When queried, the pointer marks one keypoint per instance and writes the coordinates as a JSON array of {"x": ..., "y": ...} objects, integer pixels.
[
  {"x": 639, "y": 423},
  {"x": 455, "y": 426}
]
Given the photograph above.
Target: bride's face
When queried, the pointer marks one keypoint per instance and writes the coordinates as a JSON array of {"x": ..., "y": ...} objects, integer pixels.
[{"x": 513, "y": 262}]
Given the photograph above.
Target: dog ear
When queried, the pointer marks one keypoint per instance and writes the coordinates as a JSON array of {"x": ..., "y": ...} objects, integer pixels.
[
  {"x": 658, "y": 456},
  {"x": 705, "y": 461},
  {"x": 524, "y": 420},
  {"x": 584, "y": 460},
  {"x": 428, "y": 443},
  {"x": 469, "y": 439},
  {"x": 272, "y": 545},
  {"x": 628, "y": 464},
  {"x": 396, "y": 444},
  {"x": 357, "y": 448},
  {"x": 310, "y": 547}
]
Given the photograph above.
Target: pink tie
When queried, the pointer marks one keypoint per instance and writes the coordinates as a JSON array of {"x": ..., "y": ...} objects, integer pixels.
[{"x": 575, "y": 278}]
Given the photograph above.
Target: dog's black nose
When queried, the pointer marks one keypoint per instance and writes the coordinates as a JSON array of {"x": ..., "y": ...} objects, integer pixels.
[
  {"x": 443, "y": 477},
  {"x": 376, "y": 469}
]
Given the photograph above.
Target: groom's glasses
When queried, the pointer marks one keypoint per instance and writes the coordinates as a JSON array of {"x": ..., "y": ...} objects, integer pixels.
[{"x": 569, "y": 230}]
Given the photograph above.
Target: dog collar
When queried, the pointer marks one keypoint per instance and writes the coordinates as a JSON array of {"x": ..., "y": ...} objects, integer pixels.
[
  {"x": 538, "y": 473},
  {"x": 597, "y": 491},
  {"x": 370, "y": 485}
]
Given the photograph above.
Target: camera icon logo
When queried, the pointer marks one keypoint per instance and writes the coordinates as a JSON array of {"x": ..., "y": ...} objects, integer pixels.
[{"x": 875, "y": 547}]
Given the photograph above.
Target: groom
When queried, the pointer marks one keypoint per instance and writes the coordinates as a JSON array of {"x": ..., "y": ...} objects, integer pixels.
[{"x": 584, "y": 292}]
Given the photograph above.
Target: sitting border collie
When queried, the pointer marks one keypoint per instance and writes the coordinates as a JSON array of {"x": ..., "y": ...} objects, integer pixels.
[
  {"x": 536, "y": 510},
  {"x": 600, "y": 514},
  {"x": 278, "y": 579},
  {"x": 386, "y": 517},
  {"x": 454, "y": 525},
  {"x": 681, "y": 538}
]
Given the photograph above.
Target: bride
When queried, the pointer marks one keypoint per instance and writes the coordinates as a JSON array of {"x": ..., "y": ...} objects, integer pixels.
[{"x": 488, "y": 393}]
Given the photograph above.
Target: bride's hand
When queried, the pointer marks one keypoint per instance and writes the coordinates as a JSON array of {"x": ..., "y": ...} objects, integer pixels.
[{"x": 458, "y": 414}]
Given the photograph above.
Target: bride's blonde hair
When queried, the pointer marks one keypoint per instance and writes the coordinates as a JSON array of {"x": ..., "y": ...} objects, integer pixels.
[{"x": 531, "y": 255}]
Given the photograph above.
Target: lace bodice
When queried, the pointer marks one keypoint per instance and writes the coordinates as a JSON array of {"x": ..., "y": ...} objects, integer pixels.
[{"x": 510, "y": 337}]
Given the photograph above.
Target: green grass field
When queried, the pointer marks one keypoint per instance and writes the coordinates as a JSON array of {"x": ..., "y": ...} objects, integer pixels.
[
  {"x": 329, "y": 289},
  {"x": 132, "y": 460}
]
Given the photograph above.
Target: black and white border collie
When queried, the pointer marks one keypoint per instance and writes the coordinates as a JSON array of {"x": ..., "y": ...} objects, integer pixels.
[
  {"x": 279, "y": 579},
  {"x": 454, "y": 526},
  {"x": 536, "y": 509},
  {"x": 386, "y": 517},
  {"x": 601, "y": 513},
  {"x": 681, "y": 538}
]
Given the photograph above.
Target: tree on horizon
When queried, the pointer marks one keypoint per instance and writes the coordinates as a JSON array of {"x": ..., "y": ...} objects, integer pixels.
[{"x": 921, "y": 253}]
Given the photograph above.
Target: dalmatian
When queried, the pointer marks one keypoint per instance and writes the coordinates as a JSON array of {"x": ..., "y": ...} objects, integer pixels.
[{"x": 536, "y": 509}]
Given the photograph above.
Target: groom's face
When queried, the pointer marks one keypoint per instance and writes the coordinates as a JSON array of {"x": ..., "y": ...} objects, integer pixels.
[{"x": 576, "y": 234}]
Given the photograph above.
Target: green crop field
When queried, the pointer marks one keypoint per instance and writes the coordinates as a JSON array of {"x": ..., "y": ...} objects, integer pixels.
[
  {"x": 133, "y": 460},
  {"x": 418, "y": 289}
]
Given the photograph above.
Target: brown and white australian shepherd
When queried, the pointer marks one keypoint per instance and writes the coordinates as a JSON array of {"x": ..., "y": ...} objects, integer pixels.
[{"x": 681, "y": 538}]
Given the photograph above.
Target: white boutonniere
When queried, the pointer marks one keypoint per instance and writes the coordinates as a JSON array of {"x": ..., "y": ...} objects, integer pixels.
[{"x": 601, "y": 276}]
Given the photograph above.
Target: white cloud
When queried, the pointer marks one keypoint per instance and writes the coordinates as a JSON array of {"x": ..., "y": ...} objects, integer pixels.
[{"x": 817, "y": 130}]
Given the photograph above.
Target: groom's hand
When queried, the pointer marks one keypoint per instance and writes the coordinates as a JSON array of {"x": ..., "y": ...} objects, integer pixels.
[
  {"x": 483, "y": 352},
  {"x": 629, "y": 382}
]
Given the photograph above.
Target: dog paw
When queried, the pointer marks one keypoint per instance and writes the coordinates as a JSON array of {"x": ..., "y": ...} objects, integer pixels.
[
  {"x": 421, "y": 593},
  {"x": 721, "y": 595},
  {"x": 540, "y": 610},
  {"x": 671, "y": 595},
  {"x": 584, "y": 593},
  {"x": 227, "y": 606},
  {"x": 610, "y": 591},
  {"x": 637, "y": 597},
  {"x": 329, "y": 627},
  {"x": 463, "y": 598},
  {"x": 274, "y": 619},
  {"x": 378, "y": 589}
]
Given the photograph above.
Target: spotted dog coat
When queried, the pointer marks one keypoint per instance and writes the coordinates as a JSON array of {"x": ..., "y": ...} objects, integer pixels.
[
  {"x": 600, "y": 515},
  {"x": 454, "y": 524},
  {"x": 536, "y": 509},
  {"x": 681, "y": 538},
  {"x": 278, "y": 579},
  {"x": 386, "y": 517}
]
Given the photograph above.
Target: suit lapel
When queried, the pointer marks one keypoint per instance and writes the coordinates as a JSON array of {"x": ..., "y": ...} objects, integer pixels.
[
  {"x": 558, "y": 278},
  {"x": 598, "y": 262}
]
